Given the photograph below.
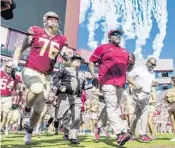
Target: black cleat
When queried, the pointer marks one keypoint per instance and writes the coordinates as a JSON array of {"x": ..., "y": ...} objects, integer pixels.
[
  {"x": 66, "y": 137},
  {"x": 74, "y": 141}
]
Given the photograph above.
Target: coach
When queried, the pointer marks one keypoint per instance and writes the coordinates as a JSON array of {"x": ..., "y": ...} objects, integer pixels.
[{"x": 113, "y": 63}]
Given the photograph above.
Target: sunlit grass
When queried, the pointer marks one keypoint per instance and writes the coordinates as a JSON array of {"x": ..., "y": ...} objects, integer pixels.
[{"x": 56, "y": 141}]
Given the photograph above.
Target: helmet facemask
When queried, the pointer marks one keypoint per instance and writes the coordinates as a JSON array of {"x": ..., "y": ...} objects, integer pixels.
[
  {"x": 8, "y": 67},
  {"x": 51, "y": 21}
]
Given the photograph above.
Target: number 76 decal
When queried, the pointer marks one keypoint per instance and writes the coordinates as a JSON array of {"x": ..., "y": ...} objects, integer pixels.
[{"x": 53, "y": 48}]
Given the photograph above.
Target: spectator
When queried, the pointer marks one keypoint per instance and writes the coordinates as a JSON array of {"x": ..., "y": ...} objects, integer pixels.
[
  {"x": 172, "y": 106},
  {"x": 151, "y": 114}
]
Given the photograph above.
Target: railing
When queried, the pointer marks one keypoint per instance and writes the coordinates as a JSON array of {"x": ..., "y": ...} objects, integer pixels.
[{"x": 24, "y": 56}]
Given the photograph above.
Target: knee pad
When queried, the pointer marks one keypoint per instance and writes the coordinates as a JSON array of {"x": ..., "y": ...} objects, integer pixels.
[
  {"x": 37, "y": 88},
  {"x": 50, "y": 120}
]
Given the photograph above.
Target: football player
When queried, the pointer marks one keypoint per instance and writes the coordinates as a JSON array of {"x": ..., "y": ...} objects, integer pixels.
[
  {"x": 7, "y": 85},
  {"x": 45, "y": 45},
  {"x": 14, "y": 114}
]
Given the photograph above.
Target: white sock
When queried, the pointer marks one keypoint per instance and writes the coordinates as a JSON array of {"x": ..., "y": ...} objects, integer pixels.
[{"x": 38, "y": 127}]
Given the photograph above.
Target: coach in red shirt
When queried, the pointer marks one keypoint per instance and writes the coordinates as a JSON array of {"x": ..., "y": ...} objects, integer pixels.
[{"x": 114, "y": 61}]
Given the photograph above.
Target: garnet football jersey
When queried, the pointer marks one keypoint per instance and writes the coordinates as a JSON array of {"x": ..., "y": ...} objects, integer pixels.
[
  {"x": 7, "y": 84},
  {"x": 44, "y": 50}
]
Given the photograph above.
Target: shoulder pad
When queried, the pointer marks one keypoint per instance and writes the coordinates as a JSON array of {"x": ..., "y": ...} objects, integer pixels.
[
  {"x": 64, "y": 39},
  {"x": 34, "y": 30}
]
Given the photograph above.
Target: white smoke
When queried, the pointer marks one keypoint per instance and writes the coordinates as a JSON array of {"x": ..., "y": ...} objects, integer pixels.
[
  {"x": 96, "y": 15},
  {"x": 160, "y": 15},
  {"x": 84, "y": 6},
  {"x": 143, "y": 24},
  {"x": 134, "y": 16}
]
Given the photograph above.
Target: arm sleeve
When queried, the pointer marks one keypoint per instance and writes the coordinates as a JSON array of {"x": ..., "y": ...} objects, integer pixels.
[
  {"x": 134, "y": 73},
  {"x": 32, "y": 30},
  {"x": 57, "y": 78},
  {"x": 96, "y": 56}
]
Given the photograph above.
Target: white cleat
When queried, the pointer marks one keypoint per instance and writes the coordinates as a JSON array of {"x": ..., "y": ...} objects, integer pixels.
[
  {"x": 46, "y": 130},
  {"x": 37, "y": 133},
  {"x": 27, "y": 138},
  {"x": 6, "y": 132}
]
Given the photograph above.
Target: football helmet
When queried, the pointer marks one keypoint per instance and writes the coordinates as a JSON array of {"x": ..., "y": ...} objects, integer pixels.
[
  {"x": 51, "y": 19},
  {"x": 8, "y": 67}
]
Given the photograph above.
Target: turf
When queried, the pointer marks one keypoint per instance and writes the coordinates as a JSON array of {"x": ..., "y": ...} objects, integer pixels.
[{"x": 56, "y": 141}]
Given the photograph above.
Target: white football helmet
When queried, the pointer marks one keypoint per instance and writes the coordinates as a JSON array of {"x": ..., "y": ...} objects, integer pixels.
[
  {"x": 8, "y": 67},
  {"x": 51, "y": 23}
]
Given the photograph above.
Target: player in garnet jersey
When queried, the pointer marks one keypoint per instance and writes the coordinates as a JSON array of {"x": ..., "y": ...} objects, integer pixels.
[
  {"x": 45, "y": 45},
  {"x": 7, "y": 85}
]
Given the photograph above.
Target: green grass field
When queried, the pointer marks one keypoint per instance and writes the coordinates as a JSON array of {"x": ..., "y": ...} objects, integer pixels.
[{"x": 55, "y": 141}]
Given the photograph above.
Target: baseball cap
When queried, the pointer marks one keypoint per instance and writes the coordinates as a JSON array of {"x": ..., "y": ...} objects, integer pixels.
[
  {"x": 76, "y": 56},
  {"x": 115, "y": 32}
]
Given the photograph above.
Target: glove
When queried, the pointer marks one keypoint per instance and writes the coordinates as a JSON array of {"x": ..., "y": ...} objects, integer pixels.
[
  {"x": 13, "y": 73},
  {"x": 95, "y": 82},
  {"x": 62, "y": 89}
]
